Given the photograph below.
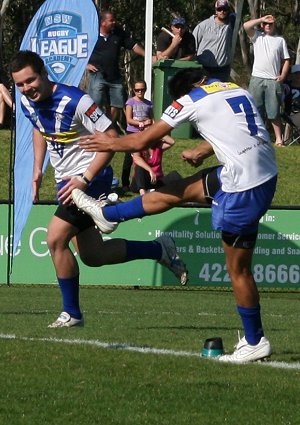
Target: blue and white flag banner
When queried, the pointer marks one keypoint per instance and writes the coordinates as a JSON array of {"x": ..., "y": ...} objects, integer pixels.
[{"x": 63, "y": 33}]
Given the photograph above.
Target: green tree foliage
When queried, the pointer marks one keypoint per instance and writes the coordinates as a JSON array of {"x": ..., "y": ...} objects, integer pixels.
[
  {"x": 14, "y": 24},
  {"x": 131, "y": 15}
]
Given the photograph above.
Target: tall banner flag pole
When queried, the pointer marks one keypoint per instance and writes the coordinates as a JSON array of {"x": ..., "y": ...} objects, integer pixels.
[{"x": 63, "y": 33}]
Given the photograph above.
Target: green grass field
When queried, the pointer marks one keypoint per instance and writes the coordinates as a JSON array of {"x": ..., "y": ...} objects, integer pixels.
[
  {"x": 288, "y": 162},
  {"x": 137, "y": 360}
]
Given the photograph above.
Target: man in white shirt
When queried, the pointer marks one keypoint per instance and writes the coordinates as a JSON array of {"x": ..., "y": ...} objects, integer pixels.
[
  {"x": 270, "y": 69},
  {"x": 239, "y": 191}
]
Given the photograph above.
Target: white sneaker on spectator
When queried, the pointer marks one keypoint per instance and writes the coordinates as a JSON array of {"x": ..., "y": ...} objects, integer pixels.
[
  {"x": 245, "y": 352},
  {"x": 171, "y": 259},
  {"x": 64, "y": 320},
  {"x": 93, "y": 208}
]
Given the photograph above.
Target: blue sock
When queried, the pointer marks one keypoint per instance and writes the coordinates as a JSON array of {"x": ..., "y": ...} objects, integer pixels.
[
  {"x": 70, "y": 295},
  {"x": 252, "y": 323},
  {"x": 125, "y": 210},
  {"x": 143, "y": 250}
]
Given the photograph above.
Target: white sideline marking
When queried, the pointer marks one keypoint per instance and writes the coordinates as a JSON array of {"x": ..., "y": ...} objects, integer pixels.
[
  {"x": 107, "y": 345},
  {"x": 137, "y": 349},
  {"x": 146, "y": 313}
]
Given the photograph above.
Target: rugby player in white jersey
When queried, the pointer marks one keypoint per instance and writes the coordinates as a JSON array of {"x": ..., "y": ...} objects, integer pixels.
[
  {"x": 240, "y": 190},
  {"x": 60, "y": 114}
]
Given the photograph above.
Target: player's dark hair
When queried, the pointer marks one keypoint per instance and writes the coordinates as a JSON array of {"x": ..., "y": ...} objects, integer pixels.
[
  {"x": 25, "y": 58},
  {"x": 186, "y": 79}
]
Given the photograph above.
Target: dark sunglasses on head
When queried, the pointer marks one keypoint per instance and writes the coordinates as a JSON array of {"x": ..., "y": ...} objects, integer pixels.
[{"x": 222, "y": 9}]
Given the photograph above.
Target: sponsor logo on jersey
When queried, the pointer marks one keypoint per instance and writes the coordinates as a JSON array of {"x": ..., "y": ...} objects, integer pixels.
[
  {"x": 173, "y": 110},
  {"x": 93, "y": 113},
  {"x": 60, "y": 42},
  {"x": 219, "y": 86}
]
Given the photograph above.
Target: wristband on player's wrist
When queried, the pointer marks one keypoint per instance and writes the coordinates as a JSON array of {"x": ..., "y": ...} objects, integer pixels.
[
  {"x": 83, "y": 179},
  {"x": 88, "y": 181}
]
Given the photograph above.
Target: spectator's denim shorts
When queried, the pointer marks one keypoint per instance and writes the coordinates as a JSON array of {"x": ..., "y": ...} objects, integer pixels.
[
  {"x": 104, "y": 93},
  {"x": 267, "y": 96}
]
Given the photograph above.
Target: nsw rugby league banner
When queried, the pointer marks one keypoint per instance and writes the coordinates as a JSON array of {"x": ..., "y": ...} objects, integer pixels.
[{"x": 63, "y": 33}]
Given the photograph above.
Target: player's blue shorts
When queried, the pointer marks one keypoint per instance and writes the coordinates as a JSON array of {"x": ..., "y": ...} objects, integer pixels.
[
  {"x": 101, "y": 184},
  {"x": 239, "y": 213}
]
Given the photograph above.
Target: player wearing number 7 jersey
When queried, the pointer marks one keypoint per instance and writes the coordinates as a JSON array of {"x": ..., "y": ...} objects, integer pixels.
[{"x": 240, "y": 190}]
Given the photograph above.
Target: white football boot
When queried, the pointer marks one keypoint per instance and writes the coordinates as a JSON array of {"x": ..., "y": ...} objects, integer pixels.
[
  {"x": 64, "y": 320},
  {"x": 245, "y": 353},
  {"x": 93, "y": 208}
]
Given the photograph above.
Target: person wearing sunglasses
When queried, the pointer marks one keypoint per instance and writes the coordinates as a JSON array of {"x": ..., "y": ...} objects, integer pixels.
[
  {"x": 139, "y": 114},
  {"x": 270, "y": 69},
  {"x": 178, "y": 43},
  {"x": 213, "y": 41},
  {"x": 148, "y": 171}
]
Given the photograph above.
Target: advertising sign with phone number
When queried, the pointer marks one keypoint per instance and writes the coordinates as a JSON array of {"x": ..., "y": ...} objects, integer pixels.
[{"x": 276, "y": 262}]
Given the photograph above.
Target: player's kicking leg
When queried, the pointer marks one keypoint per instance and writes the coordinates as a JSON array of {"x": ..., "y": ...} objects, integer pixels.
[
  {"x": 199, "y": 188},
  {"x": 94, "y": 208}
]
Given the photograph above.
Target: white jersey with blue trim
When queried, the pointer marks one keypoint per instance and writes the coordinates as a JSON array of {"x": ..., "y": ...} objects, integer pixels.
[
  {"x": 225, "y": 115},
  {"x": 61, "y": 119}
]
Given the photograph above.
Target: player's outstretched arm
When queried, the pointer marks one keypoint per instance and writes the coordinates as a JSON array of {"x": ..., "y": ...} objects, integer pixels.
[{"x": 134, "y": 142}]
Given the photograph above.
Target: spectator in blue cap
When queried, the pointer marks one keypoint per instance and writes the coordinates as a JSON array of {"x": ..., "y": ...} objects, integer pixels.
[
  {"x": 178, "y": 21},
  {"x": 178, "y": 43}
]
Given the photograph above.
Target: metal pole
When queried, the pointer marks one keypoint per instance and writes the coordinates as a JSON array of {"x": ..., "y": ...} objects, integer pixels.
[
  {"x": 148, "y": 46},
  {"x": 10, "y": 220},
  {"x": 298, "y": 53}
]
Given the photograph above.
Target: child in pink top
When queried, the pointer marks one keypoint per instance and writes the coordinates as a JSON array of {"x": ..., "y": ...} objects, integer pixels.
[{"x": 148, "y": 171}]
